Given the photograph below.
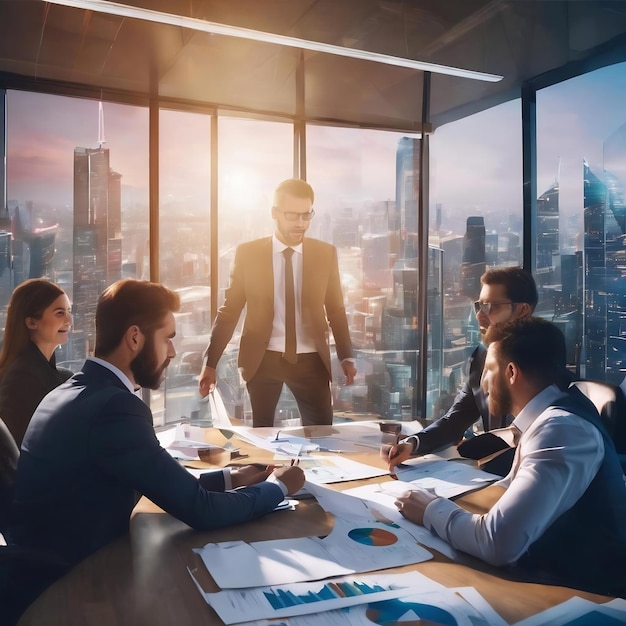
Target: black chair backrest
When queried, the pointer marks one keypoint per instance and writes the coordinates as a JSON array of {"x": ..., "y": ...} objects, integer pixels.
[
  {"x": 610, "y": 402},
  {"x": 9, "y": 455},
  {"x": 24, "y": 574}
]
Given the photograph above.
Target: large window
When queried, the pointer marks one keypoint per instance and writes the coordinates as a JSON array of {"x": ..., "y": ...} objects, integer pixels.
[
  {"x": 253, "y": 157},
  {"x": 581, "y": 218},
  {"x": 366, "y": 206},
  {"x": 475, "y": 223},
  {"x": 77, "y": 182},
  {"x": 184, "y": 254},
  {"x": 77, "y": 187}
]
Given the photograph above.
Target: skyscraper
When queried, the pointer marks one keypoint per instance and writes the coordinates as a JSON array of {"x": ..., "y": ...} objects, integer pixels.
[
  {"x": 473, "y": 265},
  {"x": 604, "y": 333},
  {"x": 97, "y": 236},
  {"x": 547, "y": 236}
]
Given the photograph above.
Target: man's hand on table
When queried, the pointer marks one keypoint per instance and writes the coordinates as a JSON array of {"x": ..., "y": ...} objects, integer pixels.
[
  {"x": 292, "y": 477},
  {"x": 413, "y": 504}
]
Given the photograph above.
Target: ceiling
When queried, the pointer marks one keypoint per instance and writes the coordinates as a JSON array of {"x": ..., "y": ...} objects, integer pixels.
[{"x": 51, "y": 47}]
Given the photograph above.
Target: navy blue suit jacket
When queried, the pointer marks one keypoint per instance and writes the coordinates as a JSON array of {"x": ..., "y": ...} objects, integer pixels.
[
  {"x": 469, "y": 405},
  {"x": 89, "y": 452}
]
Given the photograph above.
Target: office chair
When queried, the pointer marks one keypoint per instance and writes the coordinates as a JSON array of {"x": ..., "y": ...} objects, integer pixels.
[
  {"x": 24, "y": 574},
  {"x": 9, "y": 455},
  {"x": 610, "y": 403}
]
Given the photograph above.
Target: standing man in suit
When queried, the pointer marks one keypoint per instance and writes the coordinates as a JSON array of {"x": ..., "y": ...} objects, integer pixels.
[
  {"x": 506, "y": 294},
  {"x": 90, "y": 450},
  {"x": 283, "y": 343}
]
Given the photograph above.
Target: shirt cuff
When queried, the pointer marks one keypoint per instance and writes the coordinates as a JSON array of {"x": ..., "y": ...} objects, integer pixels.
[
  {"x": 414, "y": 440},
  {"x": 228, "y": 481},
  {"x": 437, "y": 514},
  {"x": 272, "y": 479}
]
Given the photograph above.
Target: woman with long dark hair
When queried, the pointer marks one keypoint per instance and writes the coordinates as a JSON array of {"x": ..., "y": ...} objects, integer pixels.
[{"x": 39, "y": 319}]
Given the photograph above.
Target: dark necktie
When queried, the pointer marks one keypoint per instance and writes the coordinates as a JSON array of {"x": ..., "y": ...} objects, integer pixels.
[{"x": 290, "y": 309}]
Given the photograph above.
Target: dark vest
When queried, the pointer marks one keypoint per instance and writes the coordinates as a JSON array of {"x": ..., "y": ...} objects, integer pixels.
[{"x": 586, "y": 546}]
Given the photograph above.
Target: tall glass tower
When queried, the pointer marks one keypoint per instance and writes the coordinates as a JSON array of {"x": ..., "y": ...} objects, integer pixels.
[
  {"x": 605, "y": 276},
  {"x": 97, "y": 238}
]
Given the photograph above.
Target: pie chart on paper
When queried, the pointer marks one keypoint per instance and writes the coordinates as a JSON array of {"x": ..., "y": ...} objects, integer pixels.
[
  {"x": 401, "y": 613},
  {"x": 372, "y": 536}
]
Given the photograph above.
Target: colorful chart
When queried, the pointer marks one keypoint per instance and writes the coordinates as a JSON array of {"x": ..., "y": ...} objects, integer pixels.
[
  {"x": 372, "y": 536},
  {"x": 398, "y": 613}
]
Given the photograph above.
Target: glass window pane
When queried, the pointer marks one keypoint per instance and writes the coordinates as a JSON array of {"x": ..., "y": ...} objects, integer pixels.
[
  {"x": 77, "y": 186},
  {"x": 254, "y": 156},
  {"x": 184, "y": 255},
  {"x": 366, "y": 206},
  {"x": 476, "y": 224},
  {"x": 581, "y": 173}
]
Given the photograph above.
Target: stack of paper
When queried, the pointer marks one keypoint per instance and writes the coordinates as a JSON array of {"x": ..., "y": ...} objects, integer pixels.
[
  {"x": 579, "y": 612},
  {"x": 350, "y": 548},
  {"x": 379, "y": 599}
]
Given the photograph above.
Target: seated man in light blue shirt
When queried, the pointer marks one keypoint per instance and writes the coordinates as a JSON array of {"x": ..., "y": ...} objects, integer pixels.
[{"x": 561, "y": 513}]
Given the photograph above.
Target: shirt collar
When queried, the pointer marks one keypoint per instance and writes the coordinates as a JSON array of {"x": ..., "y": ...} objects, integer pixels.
[
  {"x": 115, "y": 370},
  {"x": 278, "y": 246},
  {"x": 536, "y": 406}
]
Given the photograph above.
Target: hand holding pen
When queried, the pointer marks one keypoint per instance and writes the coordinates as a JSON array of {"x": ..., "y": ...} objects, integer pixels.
[
  {"x": 292, "y": 477},
  {"x": 296, "y": 460},
  {"x": 395, "y": 454}
]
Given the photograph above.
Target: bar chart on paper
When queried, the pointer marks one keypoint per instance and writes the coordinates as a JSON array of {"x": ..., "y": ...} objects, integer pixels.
[
  {"x": 283, "y": 598},
  {"x": 301, "y": 599}
]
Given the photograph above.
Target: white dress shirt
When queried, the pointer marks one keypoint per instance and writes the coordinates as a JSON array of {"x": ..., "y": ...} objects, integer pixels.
[
  {"x": 557, "y": 457},
  {"x": 276, "y": 343}
]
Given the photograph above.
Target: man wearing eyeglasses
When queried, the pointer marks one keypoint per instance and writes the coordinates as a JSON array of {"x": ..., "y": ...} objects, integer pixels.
[
  {"x": 291, "y": 289},
  {"x": 506, "y": 294}
]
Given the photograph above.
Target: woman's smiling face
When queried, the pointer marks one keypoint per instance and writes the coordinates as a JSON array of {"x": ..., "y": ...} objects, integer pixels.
[{"x": 52, "y": 328}]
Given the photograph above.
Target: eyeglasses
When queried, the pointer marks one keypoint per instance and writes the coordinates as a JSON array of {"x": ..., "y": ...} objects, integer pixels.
[
  {"x": 294, "y": 216},
  {"x": 486, "y": 307}
]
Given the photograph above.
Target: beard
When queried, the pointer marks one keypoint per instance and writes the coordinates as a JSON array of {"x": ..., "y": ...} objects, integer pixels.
[
  {"x": 500, "y": 403},
  {"x": 147, "y": 372}
]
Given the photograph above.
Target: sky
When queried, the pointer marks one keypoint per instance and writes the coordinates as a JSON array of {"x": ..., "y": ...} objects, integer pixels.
[{"x": 475, "y": 162}]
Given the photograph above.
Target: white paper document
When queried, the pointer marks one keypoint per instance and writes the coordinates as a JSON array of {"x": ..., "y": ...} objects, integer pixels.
[
  {"x": 302, "y": 598},
  {"x": 489, "y": 615},
  {"x": 349, "y": 437},
  {"x": 219, "y": 415},
  {"x": 323, "y": 470},
  {"x": 579, "y": 612},
  {"x": 436, "y": 607},
  {"x": 447, "y": 479},
  {"x": 376, "y": 502},
  {"x": 183, "y": 441},
  {"x": 350, "y": 548}
]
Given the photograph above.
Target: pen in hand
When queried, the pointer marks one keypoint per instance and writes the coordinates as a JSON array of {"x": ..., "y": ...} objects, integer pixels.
[
  {"x": 392, "y": 472},
  {"x": 296, "y": 459}
]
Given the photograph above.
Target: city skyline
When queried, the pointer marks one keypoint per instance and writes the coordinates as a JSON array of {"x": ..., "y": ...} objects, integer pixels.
[
  {"x": 40, "y": 170},
  {"x": 390, "y": 306}
]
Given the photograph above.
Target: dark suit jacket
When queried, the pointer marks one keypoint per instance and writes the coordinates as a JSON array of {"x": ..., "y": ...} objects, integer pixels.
[
  {"x": 89, "y": 452},
  {"x": 252, "y": 285},
  {"x": 469, "y": 405},
  {"x": 28, "y": 379}
]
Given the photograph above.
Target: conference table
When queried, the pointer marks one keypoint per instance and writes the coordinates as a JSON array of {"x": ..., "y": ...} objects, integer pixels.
[{"x": 142, "y": 578}]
